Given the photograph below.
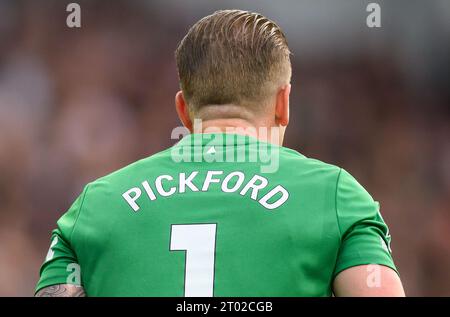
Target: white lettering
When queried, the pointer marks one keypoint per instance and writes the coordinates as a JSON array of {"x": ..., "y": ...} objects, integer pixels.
[
  {"x": 273, "y": 192},
  {"x": 132, "y": 200},
  {"x": 209, "y": 179},
  {"x": 255, "y": 188},
  {"x": 238, "y": 184},
  {"x": 161, "y": 189},
  {"x": 187, "y": 182}
]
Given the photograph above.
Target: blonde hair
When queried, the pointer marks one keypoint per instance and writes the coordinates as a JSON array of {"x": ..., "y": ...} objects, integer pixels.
[{"x": 232, "y": 57}]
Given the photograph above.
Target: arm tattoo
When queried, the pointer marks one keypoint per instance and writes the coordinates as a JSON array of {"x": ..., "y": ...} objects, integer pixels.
[{"x": 62, "y": 290}]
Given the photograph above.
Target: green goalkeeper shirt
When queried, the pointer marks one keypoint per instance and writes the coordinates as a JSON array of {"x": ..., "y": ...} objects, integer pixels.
[{"x": 217, "y": 215}]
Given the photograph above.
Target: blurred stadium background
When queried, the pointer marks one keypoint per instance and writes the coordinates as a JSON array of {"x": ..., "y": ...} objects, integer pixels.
[{"x": 76, "y": 104}]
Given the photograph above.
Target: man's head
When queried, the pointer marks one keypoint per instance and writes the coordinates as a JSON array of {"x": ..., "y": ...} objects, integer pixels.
[{"x": 234, "y": 64}]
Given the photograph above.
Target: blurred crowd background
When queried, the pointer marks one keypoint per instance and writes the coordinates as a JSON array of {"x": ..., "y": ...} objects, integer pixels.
[{"x": 76, "y": 104}]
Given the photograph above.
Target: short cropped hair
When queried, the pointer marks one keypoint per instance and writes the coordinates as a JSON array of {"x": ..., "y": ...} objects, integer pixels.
[{"x": 232, "y": 57}]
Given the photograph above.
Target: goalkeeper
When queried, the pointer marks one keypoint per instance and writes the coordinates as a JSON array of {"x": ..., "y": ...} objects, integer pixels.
[{"x": 172, "y": 225}]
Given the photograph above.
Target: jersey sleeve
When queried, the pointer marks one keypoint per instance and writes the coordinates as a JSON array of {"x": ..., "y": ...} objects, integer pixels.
[
  {"x": 60, "y": 265},
  {"x": 365, "y": 237}
]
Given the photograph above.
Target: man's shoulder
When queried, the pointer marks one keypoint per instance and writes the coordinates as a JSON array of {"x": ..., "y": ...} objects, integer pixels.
[{"x": 294, "y": 160}]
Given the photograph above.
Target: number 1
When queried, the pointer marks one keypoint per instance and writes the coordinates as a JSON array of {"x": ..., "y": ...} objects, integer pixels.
[{"x": 199, "y": 242}]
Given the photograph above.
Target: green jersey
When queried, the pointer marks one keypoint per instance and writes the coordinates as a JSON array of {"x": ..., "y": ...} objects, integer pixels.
[{"x": 217, "y": 215}]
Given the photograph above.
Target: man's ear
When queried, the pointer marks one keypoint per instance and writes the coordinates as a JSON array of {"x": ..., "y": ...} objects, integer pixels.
[
  {"x": 183, "y": 111},
  {"x": 282, "y": 106}
]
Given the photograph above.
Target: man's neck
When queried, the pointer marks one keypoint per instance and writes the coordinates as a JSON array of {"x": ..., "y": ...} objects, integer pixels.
[{"x": 240, "y": 126}]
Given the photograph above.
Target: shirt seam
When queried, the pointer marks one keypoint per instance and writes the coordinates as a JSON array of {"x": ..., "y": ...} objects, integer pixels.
[
  {"x": 78, "y": 215},
  {"x": 335, "y": 204}
]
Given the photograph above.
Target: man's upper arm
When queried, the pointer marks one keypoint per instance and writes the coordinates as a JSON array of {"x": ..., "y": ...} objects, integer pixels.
[
  {"x": 368, "y": 281},
  {"x": 365, "y": 240},
  {"x": 61, "y": 264}
]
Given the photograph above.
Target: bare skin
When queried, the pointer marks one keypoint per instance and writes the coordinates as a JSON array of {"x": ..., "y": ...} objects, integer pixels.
[
  {"x": 356, "y": 282},
  {"x": 273, "y": 115},
  {"x": 62, "y": 290}
]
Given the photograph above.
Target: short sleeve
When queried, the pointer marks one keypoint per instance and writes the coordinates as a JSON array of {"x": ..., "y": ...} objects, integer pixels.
[
  {"x": 365, "y": 237},
  {"x": 61, "y": 265}
]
